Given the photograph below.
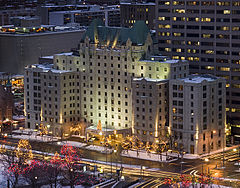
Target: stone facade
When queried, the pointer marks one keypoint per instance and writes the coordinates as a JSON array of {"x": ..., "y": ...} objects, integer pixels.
[{"x": 197, "y": 113}]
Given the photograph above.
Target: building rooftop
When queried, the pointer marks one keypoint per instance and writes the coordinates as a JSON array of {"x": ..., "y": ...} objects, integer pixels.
[
  {"x": 41, "y": 30},
  {"x": 199, "y": 78},
  {"x": 65, "y": 53},
  {"x": 47, "y": 68},
  {"x": 139, "y": 4},
  {"x": 148, "y": 79},
  {"x": 98, "y": 33}
]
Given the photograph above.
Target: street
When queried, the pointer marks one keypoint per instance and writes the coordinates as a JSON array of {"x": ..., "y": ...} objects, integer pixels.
[{"x": 152, "y": 172}]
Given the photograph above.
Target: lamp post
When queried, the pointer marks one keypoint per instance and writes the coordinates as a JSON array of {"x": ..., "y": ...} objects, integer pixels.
[{"x": 182, "y": 153}]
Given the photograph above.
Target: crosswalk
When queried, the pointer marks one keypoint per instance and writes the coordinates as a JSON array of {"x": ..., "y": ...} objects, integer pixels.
[
  {"x": 230, "y": 156},
  {"x": 151, "y": 183}
]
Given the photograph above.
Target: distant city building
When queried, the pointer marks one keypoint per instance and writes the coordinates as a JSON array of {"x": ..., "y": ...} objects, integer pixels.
[
  {"x": 6, "y": 15},
  {"x": 83, "y": 14},
  {"x": 197, "y": 113},
  {"x": 206, "y": 33},
  {"x": 6, "y": 102},
  {"x": 25, "y": 21},
  {"x": 102, "y": 2},
  {"x": 132, "y": 11},
  {"x": 110, "y": 15},
  {"x": 21, "y": 46}
]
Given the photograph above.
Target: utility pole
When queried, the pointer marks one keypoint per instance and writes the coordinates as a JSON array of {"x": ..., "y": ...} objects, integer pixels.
[{"x": 223, "y": 150}]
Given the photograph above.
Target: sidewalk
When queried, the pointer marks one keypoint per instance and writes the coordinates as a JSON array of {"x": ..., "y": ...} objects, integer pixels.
[
  {"x": 146, "y": 156},
  {"x": 194, "y": 156}
]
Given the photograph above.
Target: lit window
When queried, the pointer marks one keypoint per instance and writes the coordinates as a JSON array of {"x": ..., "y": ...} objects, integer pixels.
[{"x": 226, "y": 12}]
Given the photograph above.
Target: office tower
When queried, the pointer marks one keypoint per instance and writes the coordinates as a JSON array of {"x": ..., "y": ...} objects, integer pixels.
[
  {"x": 132, "y": 11},
  {"x": 206, "y": 33}
]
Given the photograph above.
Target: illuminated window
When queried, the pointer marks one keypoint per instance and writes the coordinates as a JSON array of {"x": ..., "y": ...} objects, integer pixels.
[
  {"x": 168, "y": 49},
  {"x": 209, "y": 67},
  {"x": 146, "y": 9},
  {"x": 206, "y": 35},
  {"x": 209, "y": 52},
  {"x": 161, "y": 18},
  {"x": 223, "y": 68},
  {"x": 161, "y": 26},
  {"x": 235, "y": 28},
  {"x": 206, "y": 19},
  {"x": 226, "y": 12},
  {"x": 174, "y": 110}
]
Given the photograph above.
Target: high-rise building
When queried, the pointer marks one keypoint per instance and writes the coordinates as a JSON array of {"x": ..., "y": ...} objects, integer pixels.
[
  {"x": 131, "y": 11},
  {"x": 108, "y": 14},
  {"x": 197, "y": 113},
  {"x": 206, "y": 33}
]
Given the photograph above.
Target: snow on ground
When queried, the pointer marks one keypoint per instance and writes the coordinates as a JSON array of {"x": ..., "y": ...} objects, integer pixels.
[
  {"x": 99, "y": 148},
  {"x": 3, "y": 179},
  {"x": 208, "y": 186},
  {"x": 43, "y": 138},
  {"x": 185, "y": 156},
  {"x": 29, "y": 134},
  {"x": 72, "y": 143},
  {"x": 146, "y": 156},
  {"x": 76, "y": 186}
]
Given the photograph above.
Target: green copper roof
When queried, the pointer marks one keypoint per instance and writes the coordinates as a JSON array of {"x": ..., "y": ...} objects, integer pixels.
[
  {"x": 8, "y": 84},
  {"x": 97, "y": 32}
]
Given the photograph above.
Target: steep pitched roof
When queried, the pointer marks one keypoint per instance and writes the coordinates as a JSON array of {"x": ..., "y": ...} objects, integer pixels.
[{"x": 97, "y": 32}]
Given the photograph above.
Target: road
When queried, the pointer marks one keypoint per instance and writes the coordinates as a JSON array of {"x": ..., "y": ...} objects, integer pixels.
[{"x": 152, "y": 169}]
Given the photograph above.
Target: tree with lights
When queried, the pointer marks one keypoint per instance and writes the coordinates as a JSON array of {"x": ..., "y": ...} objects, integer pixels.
[
  {"x": 148, "y": 147},
  {"x": 70, "y": 164},
  {"x": 43, "y": 129},
  {"x": 137, "y": 144},
  {"x": 34, "y": 173},
  {"x": 53, "y": 170},
  {"x": 127, "y": 143},
  {"x": 15, "y": 160},
  {"x": 23, "y": 151},
  {"x": 11, "y": 166}
]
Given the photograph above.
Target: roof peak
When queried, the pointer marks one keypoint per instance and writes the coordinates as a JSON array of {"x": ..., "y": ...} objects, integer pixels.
[{"x": 98, "y": 33}]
